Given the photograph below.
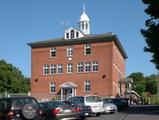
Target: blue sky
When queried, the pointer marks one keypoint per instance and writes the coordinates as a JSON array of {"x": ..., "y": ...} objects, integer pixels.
[{"x": 25, "y": 21}]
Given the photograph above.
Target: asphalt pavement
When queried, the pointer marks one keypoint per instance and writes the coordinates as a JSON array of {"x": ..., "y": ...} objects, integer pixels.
[{"x": 139, "y": 112}]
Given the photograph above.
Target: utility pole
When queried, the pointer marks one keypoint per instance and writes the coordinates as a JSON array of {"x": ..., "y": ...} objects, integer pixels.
[{"x": 158, "y": 86}]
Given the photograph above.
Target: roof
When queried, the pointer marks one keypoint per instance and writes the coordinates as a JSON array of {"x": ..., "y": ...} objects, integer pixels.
[
  {"x": 84, "y": 17},
  {"x": 108, "y": 37},
  {"x": 68, "y": 85}
]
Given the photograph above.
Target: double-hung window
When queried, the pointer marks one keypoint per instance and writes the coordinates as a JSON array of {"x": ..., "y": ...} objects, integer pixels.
[
  {"x": 69, "y": 51},
  {"x": 52, "y": 52},
  {"x": 69, "y": 68},
  {"x": 45, "y": 70},
  {"x": 52, "y": 87},
  {"x": 87, "y": 86},
  {"x": 87, "y": 49},
  {"x": 52, "y": 69},
  {"x": 59, "y": 69},
  {"x": 87, "y": 67},
  {"x": 80, "y": 67},
  {"x": 95, "y": 67}
]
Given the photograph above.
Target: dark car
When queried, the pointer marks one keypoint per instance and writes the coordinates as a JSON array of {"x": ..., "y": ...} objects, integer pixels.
[
  {"x": 84, "y": 111},
  {"x": 57, "y": 110},
  {"x": 19, "y": 108}
]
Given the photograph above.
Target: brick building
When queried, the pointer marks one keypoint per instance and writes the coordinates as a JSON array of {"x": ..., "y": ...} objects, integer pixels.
[{"x": 80, "y": 63}]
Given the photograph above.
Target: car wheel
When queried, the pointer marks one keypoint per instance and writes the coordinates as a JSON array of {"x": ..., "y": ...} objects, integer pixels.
[
  {"x": 44, "y": 118},
  {"x": 83, "y": 118},
  {"x": 29, "y": 111},
  {"x": 98, "y": 114}
]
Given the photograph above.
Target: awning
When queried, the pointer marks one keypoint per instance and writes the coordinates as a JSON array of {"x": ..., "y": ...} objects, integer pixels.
[{"x": 68, "y": 85}]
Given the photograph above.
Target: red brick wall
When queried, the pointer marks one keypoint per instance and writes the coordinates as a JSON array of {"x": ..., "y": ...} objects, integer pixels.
[
  {"x": 118, "y": 70},
  {"x": 101, "y": 81}
]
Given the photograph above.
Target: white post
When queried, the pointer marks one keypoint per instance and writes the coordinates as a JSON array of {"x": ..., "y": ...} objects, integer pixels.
[
  {"x": 61, "y": 94},
  {"x": 75, "y": 91}
]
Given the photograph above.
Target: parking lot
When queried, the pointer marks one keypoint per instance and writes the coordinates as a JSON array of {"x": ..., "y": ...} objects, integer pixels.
[{"x": 148, "y": 112}]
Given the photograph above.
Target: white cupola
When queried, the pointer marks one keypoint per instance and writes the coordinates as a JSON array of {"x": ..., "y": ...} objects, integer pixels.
[
  {"x": 84, "y": 24},
  {"x": 84, "y": 27}
]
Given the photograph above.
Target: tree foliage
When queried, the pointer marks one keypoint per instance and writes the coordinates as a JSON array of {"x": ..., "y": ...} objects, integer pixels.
[
  {"x": 151, "y": 84},
  {"x": 151, "y": 33},
  {"x": 142, "y": 84},
  {"x": 11, "y": 79},
  {"x": 138, "y": 78}
]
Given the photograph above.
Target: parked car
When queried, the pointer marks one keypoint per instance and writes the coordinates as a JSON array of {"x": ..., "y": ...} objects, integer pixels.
[
  {"x": 121, "y": 103},
  {"x": 93, "y": 101},
  {"x": 84, "y": 111},
  {"x": 19, "y": 108},
  {"x": 57, "y": 110},
  {"x": 109, "y": 107}
]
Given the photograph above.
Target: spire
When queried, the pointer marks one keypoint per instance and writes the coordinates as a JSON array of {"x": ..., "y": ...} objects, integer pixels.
[
  {"x": 84, "y": 8},
  {"x": 84, "y": 16}
]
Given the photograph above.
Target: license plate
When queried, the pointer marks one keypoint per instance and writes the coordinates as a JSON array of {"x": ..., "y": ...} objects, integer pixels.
[
  {"x": 86, "y": 114},
  {"x": 67, "y": 111}
]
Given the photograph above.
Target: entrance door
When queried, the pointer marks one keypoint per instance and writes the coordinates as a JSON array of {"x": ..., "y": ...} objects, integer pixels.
[{"x": 67, "y": 93}]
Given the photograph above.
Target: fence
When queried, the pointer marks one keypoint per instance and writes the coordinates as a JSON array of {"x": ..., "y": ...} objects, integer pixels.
[
  {"x": 153, "y": 99},
  {"x": 38, "y": 96}
]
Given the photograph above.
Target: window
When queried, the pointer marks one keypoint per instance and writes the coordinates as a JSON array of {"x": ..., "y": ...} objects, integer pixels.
[
  {"x": 87, "y": 49},
  {"x": 77, "y": 34},
  {"x": 67, "y": 35},
  {"x": 95, "y": 67},
  {"x": 69, "y": 51},
  {"x": 82, "y": 25},
  {"x": 52, "y": 52},
  {"x": 80, "y": 67},
  {"x": 72, "y": 34},
  {"x": 45, "y": 70},
  {"x": 52, "y": 69},
  {"x": 87, "y": 86},
  {"x": 87, "y": 67},
  {"x": 86, "y": 25},
  {"x": 59, "y": 69},
  {"x": 69, "y": 68},
  {"x": 52, "y": 87}
]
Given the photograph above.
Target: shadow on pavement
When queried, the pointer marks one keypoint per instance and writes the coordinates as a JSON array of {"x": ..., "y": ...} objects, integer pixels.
[{"x": 142, "y": 109}]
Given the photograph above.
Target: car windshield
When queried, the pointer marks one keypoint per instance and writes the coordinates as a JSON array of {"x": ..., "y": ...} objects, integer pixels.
[
  {"x": 93, "y": 99},
  {"x": 56, "y": 104},
  {"x": 106, "y": 100},
  {"x": 77, "y": 100}
]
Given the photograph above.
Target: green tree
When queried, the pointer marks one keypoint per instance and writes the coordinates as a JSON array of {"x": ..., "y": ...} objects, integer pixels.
[
  {"x": 138, "y": 78},
  {"x": 138, "y": 82},
  {"x": 11, "y": 79},
  {"x": 151, "y": 84},
  {"x": 140, "y": 89},
  {"x": 151, "y": 33}
]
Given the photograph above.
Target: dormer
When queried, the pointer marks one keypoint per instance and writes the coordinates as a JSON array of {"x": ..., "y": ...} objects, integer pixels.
[{"x": 72, "y": 33}]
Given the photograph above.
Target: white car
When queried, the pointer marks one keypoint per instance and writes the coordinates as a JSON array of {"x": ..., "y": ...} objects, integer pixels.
[
  {"x": 93, "y": 101},
  {"x": 110, "y": 108}
]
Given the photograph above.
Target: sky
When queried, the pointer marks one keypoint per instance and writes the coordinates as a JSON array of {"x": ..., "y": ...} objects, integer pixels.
[{"x": 25, "y": 21}]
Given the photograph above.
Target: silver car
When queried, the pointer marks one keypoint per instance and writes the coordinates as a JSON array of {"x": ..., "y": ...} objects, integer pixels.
[{"x": 110, "y": 108}]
